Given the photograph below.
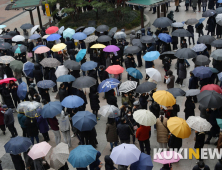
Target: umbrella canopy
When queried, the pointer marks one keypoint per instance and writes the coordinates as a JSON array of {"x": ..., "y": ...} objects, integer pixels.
[
  {"x": 71, "y": 64},
  {"x": 45, "y": 36},
  {"x": 112, "y": 31},
  {"x": 120, "y": 35},
  {"x": 192, "y": 92},
  {"x": 162, "y": 22},
  {"x": 61, "y": 29},
  {"x": 209, "y": 13},
  {"x": 127, "y": 86},
  {"x": 202, "y": 72},
  {"x": 178, "y": 127},
  {"x": 165, "y": 37},
  {"x": 199, "y": 47},
  {"x": 16, "y": 66},
  {"x": 104, "y": 38},
  {"x": 50, "y": 62},
  {"x": 144, "y": 163},
  {"x": 147, "y": 39},
  {"x": 111, "y": 48},
  {"x": 185, "y": 53},
  {"x": 6, "y": 36},
  {"x": 81, "y": 54},
  {"x": 132, "y": 50},
  {"x": 146, "y": 87},
  {"x": 38, "y": 47},
  {"x": 115, "y": 69},
  {"x": 192, "y": 21},
  {"x": 61, "y": 70},
  {"x": 102, "y": 28},
  {"x": 58, "y": 47},
  {"x": 177, "y": 24},
  {"x": 46, "y": 84},
  {"x": 219, "y": 76},
  {"x": 154, "y": 74},
  {"x": 202, "y": 60},
  {"x": 219, "y": 19},
  {"x": 53, "y": 37},
  {"x": 144, "y": 117},
  {"x": 7, "y": 80},
  {"x": 18, "y": 38},
  {"x": 210, "y": 99},
  {"x": 176, "y": 92},
  {"x": 214, "y": 70},
  {"x": 217, "y": 43},
  {"x": 91, "y": 38},
  {"x": 198, "y": 123},
  {"x": 42, "y": 49},
  {"x": 34, "y": 36},
  {"x": 17, "y": 145},
  {"x": 68, "y": 33},
  {"x": 51, "y": 109},
  {"x": 72, "y": 101},
  {"x": 66, "y": 78},
  {"x": 6, "y": 59},
  {"x": 152, "y": 55},
  {"x": 170, "y": 54},
  {"x": 181, "y": 33},
  {"x": 110, "y": 111},
  {"x": 5, "y": 46},
  {"x": 84, "y": 82},
  {"x": 206, "y": 39},
  {"x": 84, "y": 120},
  {"x": 39, "y": 150},
  {"x": 79, "y": 36},
  {"x": 108, "y": 84},
  {"x": 125, "y": 154},
  {"x": 82, "y": 156},
  {"x": 34, "y": 29},
  {"x": 216, "y": 54},
  {"x": 218, "y": 10},
  {"x": 18, "y": 49},
  {"x": 12, "y": 33},
  {"x": 22, "y": 90},
  {"x": 28, "y": 69},
  {"x": 98, "y": 46},
  {"x": 21, "y": 106},
  {"x": 137, "y": 42},
  {"x": 32, "y": 109},
  {"x": 51, "y": 30},
  {"x": 219, "y": 122},
  {"x": 3, "y": 26},
  {"x": 89, "y": 30},
  {"x": 164, "y": 98},
  {"x": 89, "y": 65},
  {"x": 134, "y": 73},
  {"x": 81, "y": 28},
  {"x": 163, "y": 157}
]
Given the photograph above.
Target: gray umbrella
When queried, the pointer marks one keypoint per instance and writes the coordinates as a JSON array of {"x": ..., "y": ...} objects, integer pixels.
[
  {"x": 219, "y": 10},
  {"x": 12, "y": 33},
  {"x": 176, "y": 92},
  {"x": 73, "y": 65},
  {"x": 185, "y": 53},
  {"x": 209, "y": 13},
  {"x": 217, "y": 43},
  {"x": 191, "y": 21},
  {"x": 50, "y": 62},
  {"x": 5, "y": 46},
  {"x": 192, "y": 92},
  {"x": 217, "y": 54},
  {"x": 202, "y": 60},
  {"x": 146, "y": 87},
  {"x": 170, "y": 54},
  {"x": 181, "y": 33},
  {"x": 26, "y": 26},
  {"x": 162, "y": 22},
  {"x": 137, "y": 42},
  {"x": 80, "y": 28},
  {"x": 84, "y": 82},
  {"x": 206, "y": 39},
  {"x": 147, "y": 39},
  {"x": 132, "y": 50},
  {"x": 112, "y": 31},
  {"x": 210, "y": 99},
  {"x": 102, "y": 28},
  {"x": 104, "y": 38}
]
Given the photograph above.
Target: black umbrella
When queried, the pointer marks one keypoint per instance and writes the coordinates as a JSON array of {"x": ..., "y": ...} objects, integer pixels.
[
  {"x": 12, "y": 33},
  {"x": 176, "y": 92},
  {"x": 5, "y": 46},
  {"x": 137, "y": 42},
  {"x": 191, "y": 21},
  {"x": 147, "y": 39},
  {"x": 84, "y": 82},
  {"x": 102, "y": 28},
  {"x": 217, "y": 43},
  {"x": 206, "y": 39},
  {"x": 19, "y": 48},
  {"x": 219, "y": 10},
  {"x": 209, "y": 13},
  {"x": 170, "y": 54},
  {"x": 132, "y": 50},
  {"x": 112, "y": 31},
  {"x": 80, "y": 28},
  {"x": 104, "y": 38},
  {"x": 210, "y": 99},
  {"x": 181, "y": 33},
  {"x": 6, "y": 36},
  {"x": 202, "y": 60},
  {"x": 73, "y": 65},
  {"x": 162, "y": 22},
  {"x": 26, "y": 26},
  {"x": 145, "y": 87},
  {"x": 185, "y": 53},
  {"x": 216, "y": 54}
]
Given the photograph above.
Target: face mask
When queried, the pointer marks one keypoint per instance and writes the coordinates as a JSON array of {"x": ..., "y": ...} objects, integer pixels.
[
  {"x": 129, "y": 114},
  {"x": 201, "y": 168},
  {"x": 34, "y": 97}
]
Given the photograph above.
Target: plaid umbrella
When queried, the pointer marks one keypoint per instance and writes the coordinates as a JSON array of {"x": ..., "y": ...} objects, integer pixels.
[
  {"x": 127, "y": 86},
  {"x": 6, "y": 59},
  {"x": 46, "y": 84},
  {"x": 18, "y": 49},
  {"x": 5, "y": 46},
  {"x": 91, "y": 38},
  {"x": 199, "y": 47},
  {"x": 50, "y": 62}
]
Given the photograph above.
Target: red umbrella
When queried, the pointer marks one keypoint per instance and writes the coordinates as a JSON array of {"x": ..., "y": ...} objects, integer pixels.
[
  {"x": 115, "y": 69},
  {"x": 51, "y": 30},
  {"x": 41, "y": 50},
  {"x": 213, "y": 87},
  {"x": 7, "y": 80}
]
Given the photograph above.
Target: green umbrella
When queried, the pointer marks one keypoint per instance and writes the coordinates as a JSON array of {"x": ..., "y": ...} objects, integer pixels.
[
  {"x": 68, "y": 33},
  {"x": 219, "y": 122},
  {"x": 16, "y": 66}
]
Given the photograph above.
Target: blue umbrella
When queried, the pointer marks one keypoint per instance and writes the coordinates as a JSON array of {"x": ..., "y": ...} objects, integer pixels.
[
  {"x": 89, "y": 30},
  {"x": 108, "y": 84},
  {"x": 34, "y": 36},
  {"x": 46, "y": 84},
  {"x": 82, "y": 156},
  {"x": 201, "y": 20},
  {"x": 135, "y": 73},
  {"x": 89, "y": 65},
  {"x": 17, "y": 145},
  {"x": 84, "y": 120},
  {"x": 152, "y": 55},
  {"x": 72, "y": 101},
  {"x": 202, "y": 72},
  {"x": 80, "y": 55},
  {"x": 38, "y": 47},
  {"x": 53, "y": 37},
  {"x": 219, "y": 1},
  {"x": 165, "y": 37},
  {"x": 144, "y": 163},
  {"x": 214, "y": 70},
  {"x": 22, "y": 90},
  {"x": 65, "y": 78},
  {"x": 219, "y": 76},
  {"x": 28, "y": 68},
  {"x": 51, "y": 109},
  {"x": 79, "y": 36}
]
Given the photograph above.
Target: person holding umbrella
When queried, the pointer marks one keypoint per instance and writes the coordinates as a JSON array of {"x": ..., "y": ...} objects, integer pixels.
[
  {"x": 144, "y": 100},
  {"x": 199, "y": 141},
  {"x": 191, "y": 30},
  {"x": 211, "y": 25},
  {"x": 32, "y": 129},
  {"x": 21, "y": 120},
  {"x": 53, "y": 123},
  {"x": 193, "y": 84},
  {"x": 189, "y": 107},
  {"x": 43, "y": 127},
  {"x": 94, "y": 103},
  {"x": 13, "y": 87},
  {"x": 181, "y": 71},
  {"x": 18, "y": 162}
]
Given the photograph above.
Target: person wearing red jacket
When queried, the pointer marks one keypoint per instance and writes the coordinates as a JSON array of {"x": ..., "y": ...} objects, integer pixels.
[{"x": 143, "y": 134}]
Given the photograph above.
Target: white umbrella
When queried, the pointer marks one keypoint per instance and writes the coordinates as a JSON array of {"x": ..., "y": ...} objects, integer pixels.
[
  {"x": 154, "y": 74},
  {"x": 219, "y": 19},
  {"x": 61, "y": 70},
  {"x": 120, "y": 35},
  {"x": 127, "y": 86},
  {"x": 34, "y": 29},
  {"x": 192, "y": 92},
  {"x": 45, "y": 36},
  {"x": 110, "y": 111},
  {"x": 18, "y": 38},
  {"x": 198, "y": 123},
  {"x": 144, "y": 117},
  {"x": 177, "y": 24},
  {"x": 61, "y": 29}
]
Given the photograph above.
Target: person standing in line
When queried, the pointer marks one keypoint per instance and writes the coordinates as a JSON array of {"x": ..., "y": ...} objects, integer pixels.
[
  {"x": 53, "y": 123},
  {"x": 43, "y": 127},
  {"x": 170, "y": 79},
  {"x": 18, "y": 162},
  {"x": 21, "y": 120},
  {"x": 204, "y": 4},
  {"x": 191, "y": 30},
  {"x": 94, "y": 103},
  {"x": 32, "y": 129},
  {"x": 2, "y": 123},
  {"x": 111, "y": 133},
  {"x": 189, "y": 107},
  {"x": 199, "y": 5},
  {"x": 199, "y": 141}
]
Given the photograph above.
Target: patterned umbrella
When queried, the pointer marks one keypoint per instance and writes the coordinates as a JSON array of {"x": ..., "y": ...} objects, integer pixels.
[
  {"x": 108, "y": 84},
  {"x": 46, "y": 84},
  {"x": 50, "y": 62},
  {"x": 91, "y": 38},
  {"x": 18, "y": 49},
  {"x": 199, "y": 47},
  {"x": 6, "y": 59},
  {"x": 33, "y": 109},
  {"x": 127, "y": 86}
]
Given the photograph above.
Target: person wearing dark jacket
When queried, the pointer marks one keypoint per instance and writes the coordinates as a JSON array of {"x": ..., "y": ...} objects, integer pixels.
[
  {"x": 44, "y": 94},
  {"x": 218, "y": 30},
  {"x": 103, "y": 74},
  {"x": 94, "y": 103},
  {"x": 32, "y": 129},
  {"x": 81, "y": 94},
  {"x": 199, "y": 141},
  {"x": 218, "y": 166},
  {"x": 8, "y": 71},
  {"x": 13, "y": 87},
  {"x": 174, "y": 142},
  {"x": 201, "y": 166},
  {"x": 129, "y": 62},
  {"x": 21, "y": 120},
  {"x": 82, "y": 45},
  {"x": 18, "y": 162},
  {"x": 191, "y": 30},
  {"x": 43, "y": 127},
  {"x": 189, "y": 107},
  {"x": 97, "y": 164},
  {"x": 69, "y": 44},
  {"x": 124, "y": 131},
  {"x": 52, "y": 77},
  {"x": 37, "y": 73},
  {"x": 182, "y": 72},
  {"x": 211, "y": 25},
  {"x": 63, "y": 92},
  {"x": 109, "y": 165},
  {"x": 54, "y": 124},
  {"x": 193, "y": 84},
  {"x": 144, "y": 100},
  {"x": 111, "y": 100}
]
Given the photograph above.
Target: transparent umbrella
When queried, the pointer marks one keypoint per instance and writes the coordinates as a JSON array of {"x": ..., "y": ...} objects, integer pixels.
[{"x": 33, "y": 109}]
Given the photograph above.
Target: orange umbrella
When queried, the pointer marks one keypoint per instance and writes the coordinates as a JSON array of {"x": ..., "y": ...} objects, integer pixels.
[{"x": 164, "y": 98}]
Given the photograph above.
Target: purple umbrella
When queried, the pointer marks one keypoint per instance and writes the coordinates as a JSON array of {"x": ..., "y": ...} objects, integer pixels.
[{"x": 111, "y": 48}]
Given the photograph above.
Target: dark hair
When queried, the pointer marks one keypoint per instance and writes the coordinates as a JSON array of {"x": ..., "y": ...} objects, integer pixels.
[
  {"x": 169, "y": 72},
  {"x": 110, "y": 121},
  {"x": 61, "y": 85},
  {"x": 191, "y": 73},
  {"x": 123, "y": 120},
  {"x": 161, "y": 114},
  {"x": 201, "y": 164}
]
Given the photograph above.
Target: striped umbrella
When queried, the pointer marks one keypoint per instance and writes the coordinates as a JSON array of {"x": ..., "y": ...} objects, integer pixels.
[
  {"x": 127, "y": 86},
  {"x": 46, "y": 84}
]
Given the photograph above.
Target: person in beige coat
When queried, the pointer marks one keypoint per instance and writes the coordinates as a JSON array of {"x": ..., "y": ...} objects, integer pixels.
[
  {"x": 162, "y": 131},
  {"x": 177, "y": 5}
]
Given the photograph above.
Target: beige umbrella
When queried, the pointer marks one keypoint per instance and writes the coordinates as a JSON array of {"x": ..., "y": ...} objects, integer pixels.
[{"x": 144, "y": 117}]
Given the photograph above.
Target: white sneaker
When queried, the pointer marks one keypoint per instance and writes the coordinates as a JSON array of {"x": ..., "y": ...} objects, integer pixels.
[{"x": 72, "y": 136}]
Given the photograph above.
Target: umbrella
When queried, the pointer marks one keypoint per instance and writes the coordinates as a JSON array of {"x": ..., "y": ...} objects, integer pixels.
[
  {"x": 84, "y": 120},
  {"x": 104, "y": 38},
  {"x": 81, "y": 54},
  {"x": 164, "y": 98},
  {"x": 120, "y": 35},
  {"x": 110, "y": 111},
  {"x": 152, "y": 55},
  {"x": 61, "y": 29},
  {"x": 144, "y": 117},
  {"x": 17, "y": 145},
  {"x": 147, "y": 39},
  {"x": 79, "y": 36},
  {"x": 21, "y": 106},
  {"x": 209, "y": 13},
  {"x": 58, "y": 47},
  {"x": 65, "y": 78},
  {"x": 198, "y": 123},
  {"x": 3, "y": 26},
  {"x": 112, "y": 31},
  {"x": 72, "y": 101},
  {"x": 82, "y": 156},
  {"x": 102, "y": 28},
  {"x": 216, "y": 54},
  {"x": 177, "y": 24},
  {"x": 68, "y": 33},
  {"x": 125, "y": 154},
  {"x": 218, "y": 10},
  {"x": 38, "y": 47},
  {"x": 34, "y": 36},
  {"x": 91, "y": 38},
  {"x": 6, "y": 59},
  {"x": 39, "y": 150},
  {"x": 5, "y": 46},
  {"x": 163, "y": 157},
  {"x": 71, "y": 64},
  {"x": 89, "y": 30},
  {"x": 219, "y": 76},
  {"x": 18, "y": 49},
  {"x": 32, "y": 109},
  {"x": 127, "y": 86},
  {"x": 170, "y": 54},
  {"x": 53, "y": 37},
  {"x": 219, "y": 122},
  {"x": 217, "y": 43},
  {"x": 42, "y": 49},
  {"x": 12, "y": 33},
  {"x": 162, "y": 22},
  {"x": 202, "y": 72},
  {"x": 176, "y": 92},
  {"x": 51, "y": 109},
  {"x": 108, "y": 84},
  {"x": 181, "y": 33},
  {"x": 214, "y": 70},
  {"x": 199, "y": 47},
  {"x": 34, "y": 29},
  {"x": 18, "y": 38},
  {"x": 98, "y": 46},
  {"x": 45, "y": 36},
  {"x": 178, "y": 127},
  {"x": 46, "y": 84},
  {"x": 132, "y": 50},
  {"x": 7, "y": 80},
  {"x": 89, "y": 65},
  {"x": 219, "y": 19},
  {"x": 80, "y": 28},
  {"x": 165, "y": 37},
  {"x": 146, "y": 87},
  {"x": 6, "y": 36},
  {"x": 111, "y": 48},
  {"x": 154, "y": 74},
  {"x": 134, "y": 73},
  {"x": 115, "y": 69},
  {"x": 84, "y": 82},
  {"x": 206, "y": 39},
  {"x": 202, "y": 60},
  {"x": 192, "y": 92},
  {"x": 192, "y": 21},
  {"x": 144, "y": 163},
  {"x": 50, "y": 62},
  {"x": 210, "y": 99},
  {"x": 213, "y": 87},
  {"x": 185, "y": 53},
  {"x": 137, "y": 42},
  {"x": 51, "y": 30},
  {"x": 28, "y": 69},
  {"x": 16, "y": 66},
  {"x": 61, "y": 70},
  {"x": 59, "y": 155}
]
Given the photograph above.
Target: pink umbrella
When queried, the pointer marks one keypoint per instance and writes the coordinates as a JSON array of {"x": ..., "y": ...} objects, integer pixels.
[
  {"x": 111, "y": 48},
  {"x": 39, "y": 150},
  {"x": 42, "y": 49},
  {"x": 7, "y": 80},
  {"x": 167, "y": 157},
  {"x": 115, "y": 69}
]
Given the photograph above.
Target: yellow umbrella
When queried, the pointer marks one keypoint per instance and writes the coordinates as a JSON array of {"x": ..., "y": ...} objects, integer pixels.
[
  {"x": 164, "y": 98},
  {"x": 98, "y": 46},
  {"x": 179, "y": 127},
  {"x": 58, "y": 47}
]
